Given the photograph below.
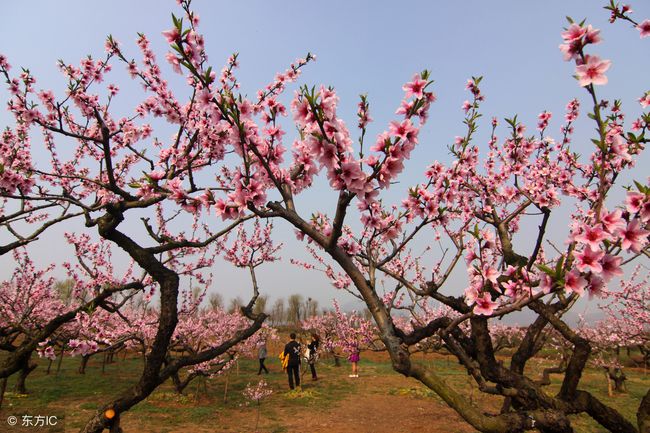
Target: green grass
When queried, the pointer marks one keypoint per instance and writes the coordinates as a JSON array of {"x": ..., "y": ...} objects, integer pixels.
[{"x": 77, "y": 396}]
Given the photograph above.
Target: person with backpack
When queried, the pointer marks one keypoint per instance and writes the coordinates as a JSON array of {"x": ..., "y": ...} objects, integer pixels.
[{"x": 292, "y": 352}]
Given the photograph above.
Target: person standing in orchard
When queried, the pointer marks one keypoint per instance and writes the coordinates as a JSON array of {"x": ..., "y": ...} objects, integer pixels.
[
  {"x": 354, "y": 358},
  {"x": 313, "y": 355},
  {"x": 262, "y": 353},
  {"x": 292, "y": 351}
]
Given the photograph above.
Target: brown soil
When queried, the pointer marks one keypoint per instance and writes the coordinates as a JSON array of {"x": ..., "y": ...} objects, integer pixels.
[
  {"x": 379, "y": 404},
  {"x": 372, "y": 410}
]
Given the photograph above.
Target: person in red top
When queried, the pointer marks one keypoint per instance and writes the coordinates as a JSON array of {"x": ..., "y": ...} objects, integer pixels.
[{"x": 354, "y": 358}]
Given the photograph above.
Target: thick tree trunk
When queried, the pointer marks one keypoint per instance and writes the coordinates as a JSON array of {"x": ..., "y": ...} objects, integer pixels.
[
  {"x": 153, "y": 373},
  {"x": 115, "y": 426},
  {"x": 609, "y": 418},
  {"x": 3, "y": 388},
  {"x": 150, "y": 378},
  {"x": 27, "y": 368},
  {"x": 153, "y": 361}
]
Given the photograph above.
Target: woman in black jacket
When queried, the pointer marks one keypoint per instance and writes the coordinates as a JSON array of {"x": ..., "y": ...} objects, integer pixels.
[{"x": 313, "y": 355}]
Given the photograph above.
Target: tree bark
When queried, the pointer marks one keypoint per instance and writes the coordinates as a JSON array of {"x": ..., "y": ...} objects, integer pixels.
[
  {"x": 180, "y": 385},
  {"x": 546, "y": 374},
  {"x": 604, "y": 415},
  {"x": 20, "y": 386},
  {"x": 3, "y": 388},
  {"x": 83, "y": 364}
]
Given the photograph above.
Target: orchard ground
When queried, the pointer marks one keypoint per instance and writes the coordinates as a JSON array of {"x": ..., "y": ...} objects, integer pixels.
[{"x": 379, "y": 401}]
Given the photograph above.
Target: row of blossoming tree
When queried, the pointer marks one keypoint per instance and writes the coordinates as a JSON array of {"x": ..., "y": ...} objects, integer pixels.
[{"x": 226, "y": 160}]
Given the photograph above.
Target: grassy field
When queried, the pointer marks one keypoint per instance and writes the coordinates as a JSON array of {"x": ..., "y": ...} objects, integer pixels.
[{"x": 378, "y": 401}]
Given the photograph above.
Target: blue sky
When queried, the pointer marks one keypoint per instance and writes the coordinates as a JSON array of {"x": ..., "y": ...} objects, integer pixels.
[{"x": 368, "y": 47}]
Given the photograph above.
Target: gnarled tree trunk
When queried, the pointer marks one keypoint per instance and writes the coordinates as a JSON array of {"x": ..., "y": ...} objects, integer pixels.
[{"x": 27, "y": 368}]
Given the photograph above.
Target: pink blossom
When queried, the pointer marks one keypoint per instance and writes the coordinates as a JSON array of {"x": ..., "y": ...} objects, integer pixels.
[
  {"x": 404, "y": 130},
  {"x": 204, "y": 98},
  {"x": 574, "y": 282},
  {"x": 48, "y": 353},
  {"x": 543, "y": 117},
  {"x": 592, "y": 36},
  {"x": 611, "y": 267},
  {"x": 596, "y": 287},
  {"x": 634, "y": 202},
  {"x": 644, "y": 29},
  {"x": 485, "y": 305},
  {"x": 570, "y": 50},
  {"x": 302, "y": 111},
  {"x": 592, "y": 236},
  {"x": 415, "y": 87},
  {"x": 172, "y": 35},
  {"x": 156, "y": 175},
  {"x": 589, "y": 260},
  {"x": 471, "y": 294},
  {"x": 4, "y": 64},
  {"x": 612, "y": 221},
  {"x": 645, "y": 211},
  {"x": 545, "y": 283},
  {"x": 352, "y": 175},
  {"x": 573, "y": 33},
  {"x": 634, "y": 236},
  {"x": 470, "y": 256},
  {"x": 592, "y": 71},
  {"x": 258, "y": 392},
  {"x": 645, "y": 100},
  {"x": 512, "y": 288},
  {"x": 490, "y": 274}
]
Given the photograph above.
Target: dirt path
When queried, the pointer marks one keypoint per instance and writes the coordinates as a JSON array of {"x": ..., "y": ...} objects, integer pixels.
[
  {"x": 376, "y": 403},
  {"x": 372, "y": 409}
]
